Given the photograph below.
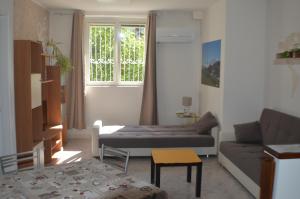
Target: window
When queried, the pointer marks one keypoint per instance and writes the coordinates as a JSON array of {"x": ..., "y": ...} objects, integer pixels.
[
  {"x": 102, "y": 39},
  {"x": 116, "y": 53}
]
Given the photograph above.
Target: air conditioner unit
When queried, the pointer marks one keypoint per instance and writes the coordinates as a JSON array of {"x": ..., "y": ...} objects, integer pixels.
[{"x": 175, "y": 35}]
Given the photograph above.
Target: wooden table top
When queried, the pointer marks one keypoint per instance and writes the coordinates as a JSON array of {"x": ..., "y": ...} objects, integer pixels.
[
  {"x": 175, "y": 156},
  {"x": 288, "y": 151}
]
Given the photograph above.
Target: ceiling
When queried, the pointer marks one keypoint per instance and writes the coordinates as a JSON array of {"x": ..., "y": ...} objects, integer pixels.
[{"x": 126, "y": 5}]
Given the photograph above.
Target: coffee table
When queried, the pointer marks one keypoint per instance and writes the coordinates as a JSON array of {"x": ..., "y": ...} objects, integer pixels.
[{"x": 173, "y": 158}]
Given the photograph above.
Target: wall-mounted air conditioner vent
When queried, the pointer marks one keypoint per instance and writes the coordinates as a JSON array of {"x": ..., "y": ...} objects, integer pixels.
[{"x": 175, "y": 35}]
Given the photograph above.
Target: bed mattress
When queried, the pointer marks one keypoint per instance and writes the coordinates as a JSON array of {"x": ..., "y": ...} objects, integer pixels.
[{"x": 153, "y": 136}]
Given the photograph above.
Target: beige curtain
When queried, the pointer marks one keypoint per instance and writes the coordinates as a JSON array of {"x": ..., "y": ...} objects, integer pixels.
[
  {"x": 75, "y": 83},
  {"x": 149, "y": 104}
]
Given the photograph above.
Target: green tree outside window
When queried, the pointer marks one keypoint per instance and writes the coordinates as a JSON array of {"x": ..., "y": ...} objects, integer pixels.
[{"x": 102, "y": 44}]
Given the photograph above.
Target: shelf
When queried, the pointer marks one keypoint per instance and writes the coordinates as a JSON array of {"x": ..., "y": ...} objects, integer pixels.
[
  {"x": 56, "y": 146},
  {"x": 55, "y": 127},
  {"x": 287, "y": 61},
  {"x": 189, "y": 115},
  {"x": 52, "y": 131},
  {"x": 47, "y": 81},
  {"x": 47, "y": 55},
  {"x": 52, "y": 66}
]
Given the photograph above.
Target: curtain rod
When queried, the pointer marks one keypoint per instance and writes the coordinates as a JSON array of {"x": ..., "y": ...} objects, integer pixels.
[
  {"x": 61, "y": 12},
  {"x": 103, "y": 14},
  {"x": 117, "y": 16}
]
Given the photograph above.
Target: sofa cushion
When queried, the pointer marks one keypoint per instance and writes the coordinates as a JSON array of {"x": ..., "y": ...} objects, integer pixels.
[
  {"x": 156, "y": 139},
  {"x": 247, "y": 157},
  {"x": 206, "y": 123},
  {"x": 248, "y": 133},
  {"x": 279, "y": 128}
]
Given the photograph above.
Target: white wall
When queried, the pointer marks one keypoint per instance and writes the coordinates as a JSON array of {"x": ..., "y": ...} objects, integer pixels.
[
  {"x": 178, "y": 67},
  {"x": 241, "y": 24},
  {"x": 250, "y": 79},
  {"x": 31, "y": 21},
  {"x": 60, "y": 23},
  {"x": 113, "y": 104},
  {"x": 7, "y": 116},
  {"x": 283, "y": 19},
  {"x": 213, "y": 28},
  {"x": 178, "y": 71},
  {"x": 243, "y": 98}
]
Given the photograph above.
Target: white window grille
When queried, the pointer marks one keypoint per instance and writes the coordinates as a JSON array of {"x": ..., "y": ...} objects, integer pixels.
[{"x": 116, "y": 53}]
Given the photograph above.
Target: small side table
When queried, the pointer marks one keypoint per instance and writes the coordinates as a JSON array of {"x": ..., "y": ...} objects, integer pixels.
[
  {"x": 176, "y": 157},
  {"x": 188, "y": 119}
]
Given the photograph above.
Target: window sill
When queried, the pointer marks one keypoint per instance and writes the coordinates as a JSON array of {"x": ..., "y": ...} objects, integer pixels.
[{"x": 115, "y": 85}]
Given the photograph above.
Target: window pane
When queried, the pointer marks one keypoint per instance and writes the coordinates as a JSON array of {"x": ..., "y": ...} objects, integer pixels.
[
  {"x": 132, "y": 52},
  {"x": 101, "y": 45}
]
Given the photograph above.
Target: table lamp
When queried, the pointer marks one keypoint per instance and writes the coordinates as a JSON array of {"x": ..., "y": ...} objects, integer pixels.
[{"x": 187, "y": 103}]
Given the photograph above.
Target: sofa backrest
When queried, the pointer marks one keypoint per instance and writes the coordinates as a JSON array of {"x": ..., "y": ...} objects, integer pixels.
[{"x": 279, "y": 128}]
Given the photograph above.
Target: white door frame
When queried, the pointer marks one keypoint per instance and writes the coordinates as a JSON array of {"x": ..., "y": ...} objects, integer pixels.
[{"x": 7, "y": 100}]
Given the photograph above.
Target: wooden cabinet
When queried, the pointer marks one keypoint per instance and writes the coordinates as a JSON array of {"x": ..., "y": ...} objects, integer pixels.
[
  {"x": 280, "y": 177},
  {"x": 267, "y": 176},
  {"x": 25, "y": 113},
  {"x": 37, "y": 100}
]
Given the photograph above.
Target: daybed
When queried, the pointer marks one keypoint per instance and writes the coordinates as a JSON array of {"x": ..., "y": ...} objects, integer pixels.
[
  {"x": 242, "y": 158},
  {"x": 139, "y": 140}
]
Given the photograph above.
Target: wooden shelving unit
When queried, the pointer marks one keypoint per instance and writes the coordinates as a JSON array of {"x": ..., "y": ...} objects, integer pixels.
[
  {"x": 46, "y": 81},
  {"x": 287, "y": 61},
  {"x": 43, "y": 121},
  {"x": 51, "y": 97},
  {"x": 53, "y": 142},
  {"x": 27, "y": 62}
]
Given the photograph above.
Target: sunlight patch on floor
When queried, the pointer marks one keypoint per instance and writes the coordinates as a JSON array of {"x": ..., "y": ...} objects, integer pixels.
[{"x": 63, "y": 157}]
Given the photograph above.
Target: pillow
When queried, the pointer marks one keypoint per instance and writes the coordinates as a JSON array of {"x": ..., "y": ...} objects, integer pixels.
[
  {"x": 248, "y": 133},
  {"x": 206, "y": 123}
]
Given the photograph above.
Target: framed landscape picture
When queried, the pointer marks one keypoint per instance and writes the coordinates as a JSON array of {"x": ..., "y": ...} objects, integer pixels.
[{"x": 211, "y": 62}]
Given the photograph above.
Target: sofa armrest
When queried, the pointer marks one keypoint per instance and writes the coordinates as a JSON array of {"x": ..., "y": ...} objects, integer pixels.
[
  {"x": 97, "y": 126},
  {"x": 215, "y": 132}
]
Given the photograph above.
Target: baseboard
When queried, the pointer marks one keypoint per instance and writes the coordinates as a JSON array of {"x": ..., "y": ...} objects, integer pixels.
[
  {"x": 79, "y": 134},
  {"x": 247, "y": 182},
  {"x": 146, "y": 152},
  {"x": 226, "y": 136}
]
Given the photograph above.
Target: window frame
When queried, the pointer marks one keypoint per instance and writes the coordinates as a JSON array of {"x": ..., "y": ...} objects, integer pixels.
[{"x": 117, "y": 24}]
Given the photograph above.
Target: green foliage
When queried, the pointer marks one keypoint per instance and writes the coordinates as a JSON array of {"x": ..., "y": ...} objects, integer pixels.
[
  {"x": 297, "y": 50},
  {"x": 61, "y": 60},
  {"x": 52, "y": 43},
  {"x": 102, "y": 41},
  {"x": 132, "y": 53},
  {"x": 102, "y": 52},
  {"x": 64, "y": 63},
  {"x": 208, "y": 79},
  {"x": 286, "y": 54}
]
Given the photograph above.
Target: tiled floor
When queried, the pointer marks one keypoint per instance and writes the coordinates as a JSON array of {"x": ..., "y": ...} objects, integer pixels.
[
  {"x": 217, "y": 183},
  {"x": 75, "y": 150}
]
